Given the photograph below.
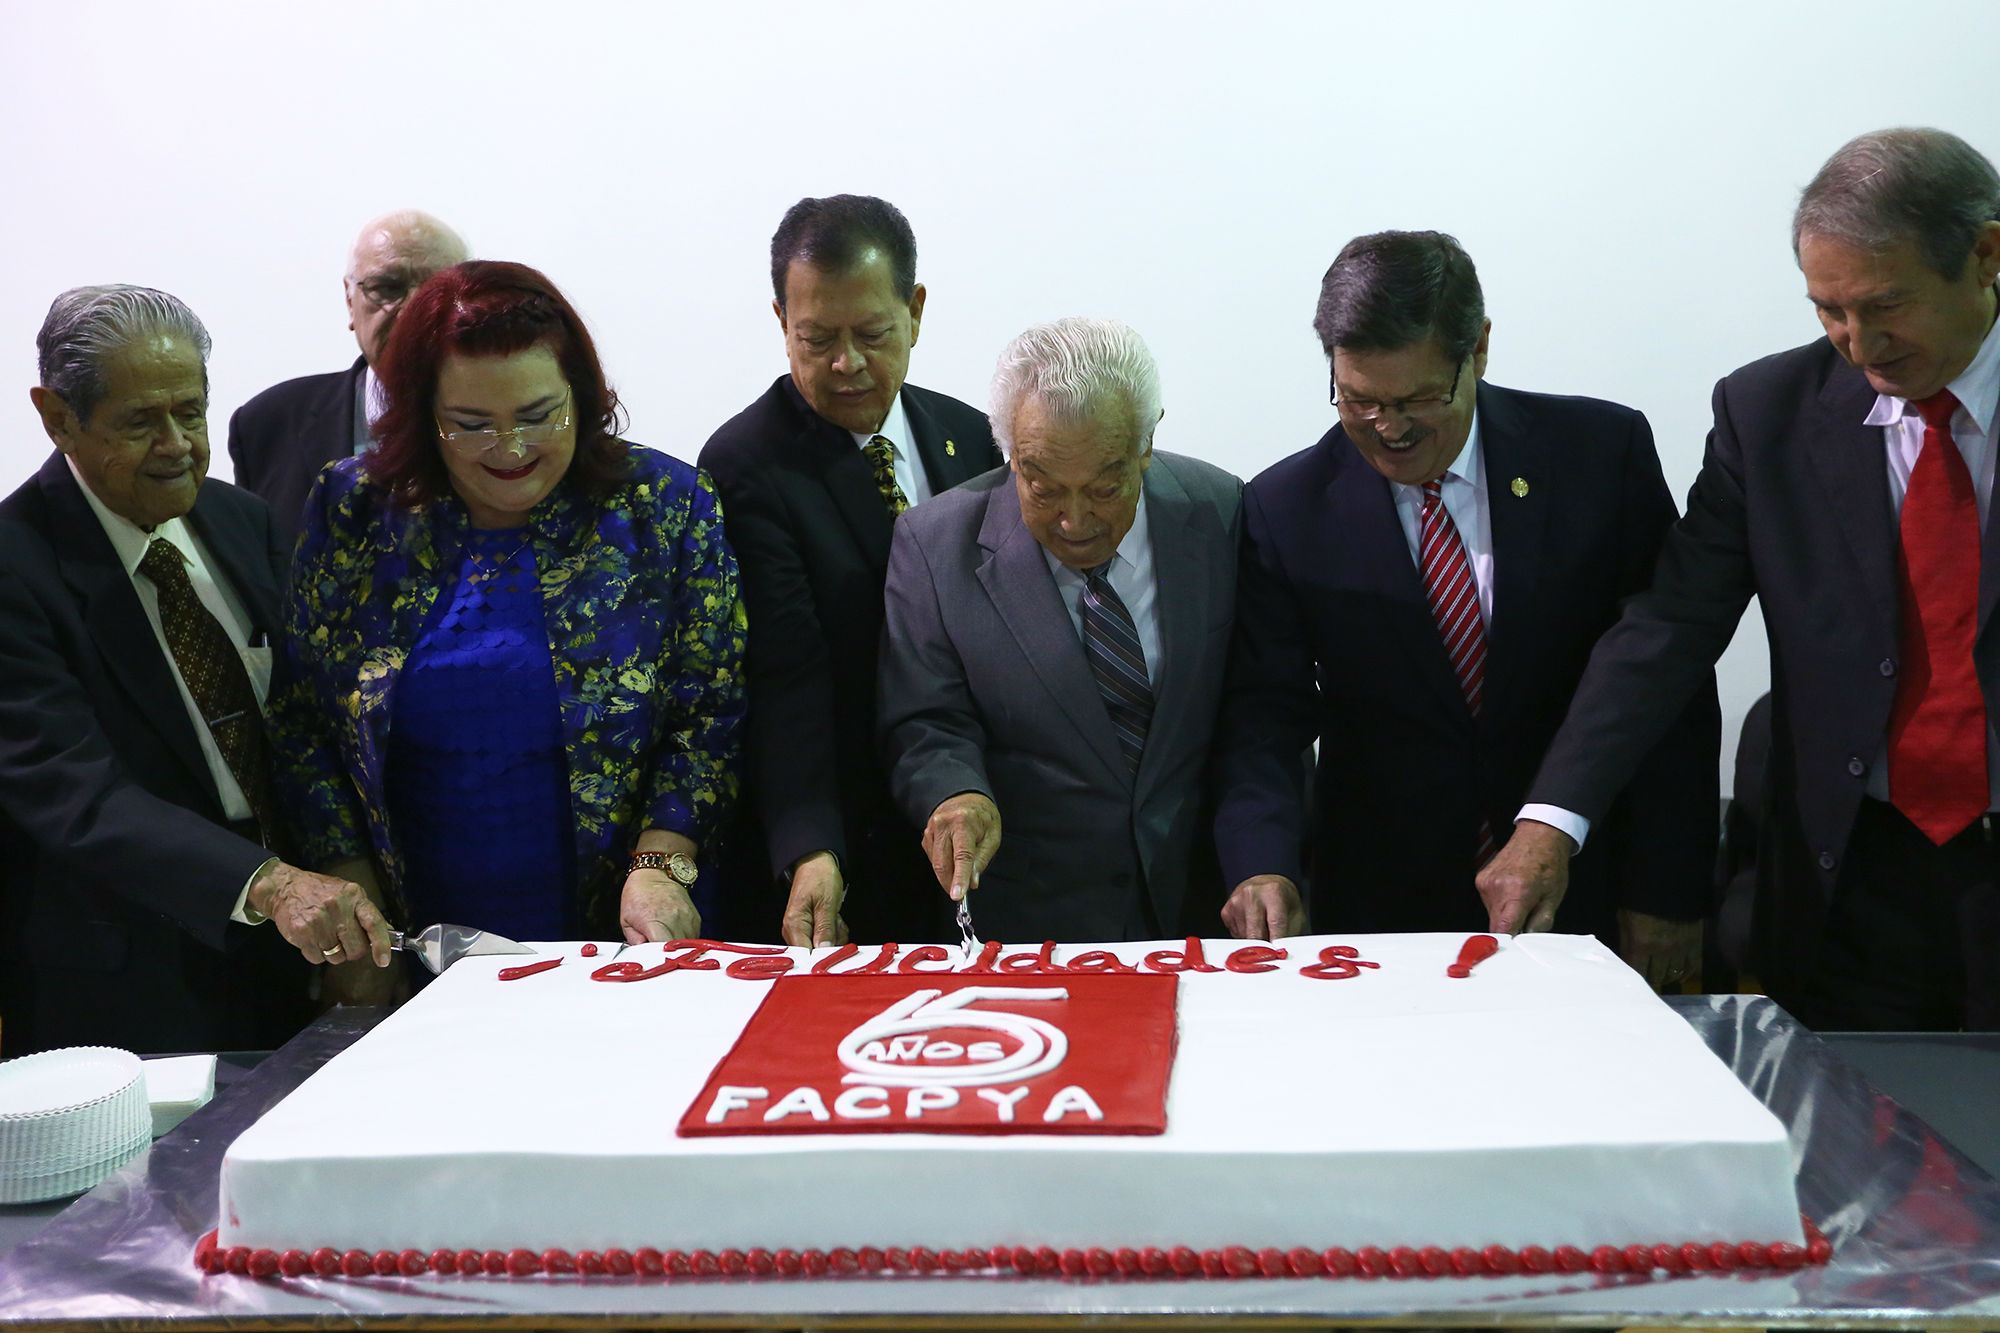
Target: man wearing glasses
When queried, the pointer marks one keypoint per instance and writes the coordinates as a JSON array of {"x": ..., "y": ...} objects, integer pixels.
[
  {"x": 279, "y": 440},
  {"x": 1419, "y": 592}
]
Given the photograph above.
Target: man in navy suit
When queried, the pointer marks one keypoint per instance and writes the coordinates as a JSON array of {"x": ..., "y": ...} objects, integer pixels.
[
  {"x": 1847, "y": 486},
  {"x": 1418, "y": 593},
  {"x": 138, "y": 826},
  {"x": 279, "y": 440}
]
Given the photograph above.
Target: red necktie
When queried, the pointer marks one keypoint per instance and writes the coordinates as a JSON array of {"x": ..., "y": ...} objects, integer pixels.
[
  {"x": 1937, "y": 728},
  {"x": 1454, "y": 597}
]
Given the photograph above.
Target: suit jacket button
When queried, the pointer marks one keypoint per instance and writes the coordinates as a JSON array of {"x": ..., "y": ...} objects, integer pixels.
[
  {"x": 1888, "y": 667},
  {"x": 1826, "y": 860},
  {"x": 1856, "y": 767}
]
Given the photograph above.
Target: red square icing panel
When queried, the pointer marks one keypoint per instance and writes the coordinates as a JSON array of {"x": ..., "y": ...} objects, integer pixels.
[{"x": 948, "y": 1054}]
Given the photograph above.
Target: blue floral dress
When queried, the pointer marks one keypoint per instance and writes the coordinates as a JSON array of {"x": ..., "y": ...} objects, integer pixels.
[{"x": 644, "y": 636}]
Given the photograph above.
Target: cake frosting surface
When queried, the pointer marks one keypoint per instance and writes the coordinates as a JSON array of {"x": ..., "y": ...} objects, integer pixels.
[{"x": 1337, "y": 1091}]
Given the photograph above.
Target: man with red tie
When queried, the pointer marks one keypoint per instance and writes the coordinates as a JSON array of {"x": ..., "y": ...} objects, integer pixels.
[
  {"x": 1846, "y": 486},
  {"x": 1419, "y": 592}
]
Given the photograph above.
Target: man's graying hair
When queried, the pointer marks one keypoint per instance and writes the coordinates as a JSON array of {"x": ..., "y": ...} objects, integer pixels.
[
  {"x": 1396, "y": 289},
  {"x": 1922, "y": 186},
  {"x": 1076, "y": 368},
  {"x": 85, "y": 325}
]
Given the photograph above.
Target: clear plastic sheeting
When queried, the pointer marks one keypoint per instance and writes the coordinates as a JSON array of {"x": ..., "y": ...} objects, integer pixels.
[{"x": 1914, "y": 1224}]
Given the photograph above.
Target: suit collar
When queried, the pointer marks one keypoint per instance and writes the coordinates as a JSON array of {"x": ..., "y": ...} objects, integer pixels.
[
  {"x": 947, "y": 462},
  {"x": 116, "y": 619},
  {"x": 1520, "y": 486},
  {"x": 1847, "y": 456},
  {"x": 1181, "y": 533},
  {"x": 845, "y": 472},
  {"x": 1365, "y": 539},
  {"x": 1017, "y": 580}
]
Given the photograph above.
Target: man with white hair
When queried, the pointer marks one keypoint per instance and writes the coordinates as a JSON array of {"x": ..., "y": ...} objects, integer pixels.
[
  {"x": 139, "y": 826},
  {"x": 279, "y": 440},
  {"x": 1056, "y": 633}
]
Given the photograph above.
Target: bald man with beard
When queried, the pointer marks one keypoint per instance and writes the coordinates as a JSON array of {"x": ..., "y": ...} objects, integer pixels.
[{"x": 279, "y": 440}]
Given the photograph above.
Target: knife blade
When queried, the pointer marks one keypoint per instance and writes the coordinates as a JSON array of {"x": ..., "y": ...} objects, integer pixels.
[{"x": 438, "y": 947}]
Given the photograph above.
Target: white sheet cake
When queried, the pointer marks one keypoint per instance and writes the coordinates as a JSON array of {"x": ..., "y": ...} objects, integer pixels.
[{"x": 1546, "y": 1100}]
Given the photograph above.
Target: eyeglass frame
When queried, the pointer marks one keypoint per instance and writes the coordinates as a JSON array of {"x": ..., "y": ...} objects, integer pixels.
[
  {"x": 367, "y": 286},
  {"x": 450, "y": 439},
  {"x": 1427, "y": 404}
]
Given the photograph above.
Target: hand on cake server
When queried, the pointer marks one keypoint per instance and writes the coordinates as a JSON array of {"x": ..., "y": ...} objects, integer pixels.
[
  {"x": 137, "y": 602},
  {"x": 1055, "y": 637},
  {"x": 327, "y": 918},
  {"x": 1381, "y": 571}
]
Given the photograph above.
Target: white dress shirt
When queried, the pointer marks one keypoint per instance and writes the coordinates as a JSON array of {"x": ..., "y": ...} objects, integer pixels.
[
  {"x": 1130, "y": 576},
  {"x": 130, "y": 541},
  {"x": 371, "y": 400},
  {"x": 1462, "y": 491},
  {"x": 909, "y": 467}
]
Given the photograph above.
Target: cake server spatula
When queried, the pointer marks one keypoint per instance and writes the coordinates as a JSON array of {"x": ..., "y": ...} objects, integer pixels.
[{"x": 439, "y": 946}]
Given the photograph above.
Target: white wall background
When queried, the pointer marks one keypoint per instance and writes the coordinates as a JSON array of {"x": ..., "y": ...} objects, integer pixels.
[{"x": 1622, "y": 174}]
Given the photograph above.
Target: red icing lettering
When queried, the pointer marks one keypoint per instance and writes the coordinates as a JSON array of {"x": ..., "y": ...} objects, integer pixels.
[
  {"x": 1475, "y": 951},
  {"x": 1189, "y": 959},
  {"x": 528, "y": 969},
  {"x": 1099, "y": 960},
  {"x": 689, "y": 954},
  {"x": 1255, "y": 958},
  {"x": 987, "y": 953},
  {"x": 1337, "y": 962},
  {"x": 589, "y": 951},
  {"x": 929, "y": 953},
  {"x": 760, "y": 968},
  {"x": 824, "y": 967},
  {"x": 1042, "y": 960}
]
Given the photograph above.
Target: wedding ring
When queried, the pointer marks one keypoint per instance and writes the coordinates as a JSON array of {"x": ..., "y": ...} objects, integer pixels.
[{"x": 331, "y": 954}]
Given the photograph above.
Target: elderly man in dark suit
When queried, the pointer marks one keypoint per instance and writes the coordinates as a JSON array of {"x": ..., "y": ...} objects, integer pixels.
[
  {"x": 1419, "y": 593},
  {"x": 279, "y": 440},
  {"x": 1056, "y": 637},
  {"x": 812, "y": 476},
  {"x": 137, "y": 821},
  {"x": 1847, "y": 486}
]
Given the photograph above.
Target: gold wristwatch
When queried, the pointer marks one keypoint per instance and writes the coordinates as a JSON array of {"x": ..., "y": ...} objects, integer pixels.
[{"x": 680, "y": 865}]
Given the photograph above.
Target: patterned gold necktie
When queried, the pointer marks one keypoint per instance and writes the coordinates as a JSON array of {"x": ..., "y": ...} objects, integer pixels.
[
  {"x": 882, "y": 457},
  {"x": 214, "y": 673}
]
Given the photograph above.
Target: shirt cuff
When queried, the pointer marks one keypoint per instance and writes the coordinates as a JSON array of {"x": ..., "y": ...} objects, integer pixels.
[
  {"x": 1555, "y": 816},
  {"x": 243, "y": 913}
]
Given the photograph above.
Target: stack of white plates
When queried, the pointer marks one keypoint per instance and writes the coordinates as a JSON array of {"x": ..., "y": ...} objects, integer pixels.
[{"x": 68, "y": 1119}]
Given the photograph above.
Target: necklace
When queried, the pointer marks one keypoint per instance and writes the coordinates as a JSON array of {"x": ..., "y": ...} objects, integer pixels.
[{"x": 483, "y": 565}]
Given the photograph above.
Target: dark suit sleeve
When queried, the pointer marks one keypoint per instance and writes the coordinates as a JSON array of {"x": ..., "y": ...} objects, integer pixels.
[
  {"x": 932, "y": 735},
  {"x": 320, "y": 800},
  {"x": 1267, "y": 718},
  {"x": 61, "y": 782},
  {"x": 1662, "y": 651},
  {"x": 1660, "y": 835},
  {"x": 789, "y": 744}
]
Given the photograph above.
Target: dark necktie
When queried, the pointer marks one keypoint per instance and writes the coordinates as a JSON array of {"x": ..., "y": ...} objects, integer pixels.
[
  {"x": 882, "y": 457},
  {"x": 1111, "y": 646},
  {"x": 213, "y": 669},
  {"x": 1453, "y": 595},
  {"x": 1937, "y": 725}
]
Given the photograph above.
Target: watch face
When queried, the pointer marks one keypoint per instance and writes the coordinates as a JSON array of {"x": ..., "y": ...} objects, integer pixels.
[{"x": 682, "y": 868}]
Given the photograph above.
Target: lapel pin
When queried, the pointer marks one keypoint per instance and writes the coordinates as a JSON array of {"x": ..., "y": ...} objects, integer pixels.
[
  {"x": 1520, "y": 486},
  {"x": 950, "y": 449}
]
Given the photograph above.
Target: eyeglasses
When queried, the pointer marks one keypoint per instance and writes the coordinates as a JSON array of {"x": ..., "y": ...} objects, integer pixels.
[
  {"x": 1417, "y": 409},
  {"x": 385, "y": 290},
  {"x": 529, "y": 435}
]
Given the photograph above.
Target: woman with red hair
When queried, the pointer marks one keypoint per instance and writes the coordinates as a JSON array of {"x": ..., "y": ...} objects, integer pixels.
[{"x": 514, "y": 641}]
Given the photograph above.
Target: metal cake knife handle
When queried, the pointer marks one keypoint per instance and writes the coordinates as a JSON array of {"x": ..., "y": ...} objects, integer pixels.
[{"x": 439, "y": 946}]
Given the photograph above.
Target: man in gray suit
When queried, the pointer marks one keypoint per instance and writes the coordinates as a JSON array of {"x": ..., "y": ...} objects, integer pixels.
[{"x": 1055, "y": 641}]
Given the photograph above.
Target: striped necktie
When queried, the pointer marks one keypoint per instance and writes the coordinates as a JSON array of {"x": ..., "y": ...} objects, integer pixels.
[
  {"x": 882, "y": 458},
  {"x": 1453, "y": 595},
  {"x": 1111, "y": 646}
]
